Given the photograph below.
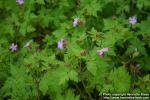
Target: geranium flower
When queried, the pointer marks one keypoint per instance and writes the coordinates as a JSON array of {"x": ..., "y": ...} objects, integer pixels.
[
  {"x": 27, "y": 44},
  {"x": 60, "y": 44},
  {"x": 102, "y": 51},
  {"x": 75, "y": 22},
  {"x": 13, "y": 47},
  {"x": 20, "y": 2},
  {"x": 132, "y": 20}
]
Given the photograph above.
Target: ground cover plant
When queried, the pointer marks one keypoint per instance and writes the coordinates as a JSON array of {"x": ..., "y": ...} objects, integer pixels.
[{"x": 73, "y": 49}]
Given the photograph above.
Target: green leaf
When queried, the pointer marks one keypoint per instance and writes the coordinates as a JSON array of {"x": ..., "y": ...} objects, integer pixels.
[
  {"x": 74, "y": 49},
  {"x": 54, "y": 80},
  {"x": 43, "y": 86},
  {"x": 143, "y": 4},
  {"x": 144, "y": 26},
  {"x": 91, "y": 7},
  {"x": 63, "y": 77},
  {"x": 19, "y": 85},
  {"x": 69, "y": 95},
  {"x": 30, "y": 29},
  {"x": 73, "y": 75},
  {"x": 92, "y": 67},
  {"x": 40, "y": 2},
  {"x": 120, "y": 80},
  {"x": 61, "y": 33},
  {"x": 50, "y": 82}
]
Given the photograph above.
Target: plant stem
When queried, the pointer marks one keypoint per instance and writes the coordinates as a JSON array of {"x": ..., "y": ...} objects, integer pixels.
[
  {"x": 87, "y": 91},
  {"x": 82, "y": 95}
]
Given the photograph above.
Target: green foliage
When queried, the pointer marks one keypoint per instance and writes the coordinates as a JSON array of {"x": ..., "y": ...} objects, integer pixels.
[
  {"x": 120, "y": 80},
  {"x": 69, "y": 95},
  {"x": 81, "y": 68},
  {"x": 19, "y": 85},
  {"x": 55, "y": 81}
]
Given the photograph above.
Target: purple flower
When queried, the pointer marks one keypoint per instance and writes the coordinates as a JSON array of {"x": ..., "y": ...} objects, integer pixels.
[
  {"x": 20, "y": 2},
  {"x": 27, "y": 44},
  {"x": 60, "y": 44},
  {"x": 102, "y": 51},
  {"x": 75, "y": 22},
  {"x": 132, "y": 20},
  {"x": 13, "y": 47}
]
